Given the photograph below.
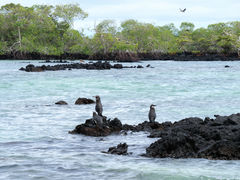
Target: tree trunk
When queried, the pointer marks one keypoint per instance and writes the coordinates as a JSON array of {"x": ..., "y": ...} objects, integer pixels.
[{"x": 20, "y": 40}]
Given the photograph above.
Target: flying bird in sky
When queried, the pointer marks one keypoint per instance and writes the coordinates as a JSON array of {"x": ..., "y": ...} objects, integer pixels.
[{"x": 182, "y": 10}]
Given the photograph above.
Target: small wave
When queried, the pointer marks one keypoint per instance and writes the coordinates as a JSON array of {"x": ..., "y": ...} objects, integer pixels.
[
  {"x": 9, "y": 166},
  {"x": 14, "y": 143}
]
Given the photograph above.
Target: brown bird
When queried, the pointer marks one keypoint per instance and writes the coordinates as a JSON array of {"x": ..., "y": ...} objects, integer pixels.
[
  {"x": 98, "y": 107},
  {"x": 152, "y": 114}
]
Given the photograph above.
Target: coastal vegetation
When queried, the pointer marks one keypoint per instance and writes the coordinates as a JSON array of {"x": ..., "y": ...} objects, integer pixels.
[{"x": 48, "y": 30}]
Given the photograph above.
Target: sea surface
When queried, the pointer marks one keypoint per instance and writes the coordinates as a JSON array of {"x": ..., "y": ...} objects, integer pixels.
[{"x": 34, "y": 139}]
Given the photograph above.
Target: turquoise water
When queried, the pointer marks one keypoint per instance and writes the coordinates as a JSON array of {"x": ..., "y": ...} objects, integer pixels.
[{"x": 34, "y": 139}]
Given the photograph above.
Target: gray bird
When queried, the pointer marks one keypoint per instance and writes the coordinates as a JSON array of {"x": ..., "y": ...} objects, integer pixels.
[
  {"x": 152, "y": 114},
  {"x": 98, "y": 106},
  {"x": 97, "y": 119}
]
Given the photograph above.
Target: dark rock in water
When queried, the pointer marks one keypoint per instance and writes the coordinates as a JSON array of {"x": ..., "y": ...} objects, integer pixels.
[
  {"x": 115, "y": 124},
  {"x": 118, "y": 66},
  {"x": 32, "y": 68},
  {"x": 99, "y": 65},
  {"x": 197, "y": 138},
  {"x": 148, "y": 65},
  {"x": 227, "y": 66},
  {"x": 80, "y": 101},
  {"x": 145, "y": 126},
  {"x": 91, "y": 128},
  {"x": 61, "y": 103},
  {"x": 121, "y": 149},
  {"x": 192, "y": 137}
]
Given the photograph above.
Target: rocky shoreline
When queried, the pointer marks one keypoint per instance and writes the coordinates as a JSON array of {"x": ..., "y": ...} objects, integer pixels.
[
  {"x": 192, "y": 137},
  {"x": 126, "y": 56}
]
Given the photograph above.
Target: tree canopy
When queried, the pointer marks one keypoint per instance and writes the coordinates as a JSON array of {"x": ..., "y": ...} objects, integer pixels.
[{"x": 49, "y": 30}]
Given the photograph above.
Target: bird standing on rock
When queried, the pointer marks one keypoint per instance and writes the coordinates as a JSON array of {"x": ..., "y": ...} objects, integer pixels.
[
  {"x": 152, "y": 114},
  {"x": 98, "y": 106},
  {"x": 97, "y": 119}
]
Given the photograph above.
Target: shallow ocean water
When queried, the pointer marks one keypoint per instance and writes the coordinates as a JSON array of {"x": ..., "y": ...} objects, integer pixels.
[{"x": 34, "y": 139}]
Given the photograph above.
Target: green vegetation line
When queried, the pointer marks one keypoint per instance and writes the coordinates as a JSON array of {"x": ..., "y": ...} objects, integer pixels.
[{"x": 48, "y": 30}]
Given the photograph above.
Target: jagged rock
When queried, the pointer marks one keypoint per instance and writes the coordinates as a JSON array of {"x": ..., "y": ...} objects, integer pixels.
[
  {"x": 217, "y": 138},
  {"x": 91, "y": 128},
  {"x": 121, "y": 149},
  {"x": 118, "y": 66},
  {"x": 192, "y": 137},
  {"x": 115, "y": 124},
  {"x": 80, "y": 101},
  {"x": 99, "y": 65},
  {"x": 61, "y": 103},
  {"x": 145, "y": 126}
]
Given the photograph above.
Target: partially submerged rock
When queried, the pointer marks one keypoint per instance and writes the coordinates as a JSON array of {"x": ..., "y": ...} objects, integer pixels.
[
  {"x": 192, "y": 137},
  {"x": 80, "y": 101},
  {"x": 91, "y": 131},
  {"x": 121, "y": 149},
  {"x": 91, "y": 128},
  {"x": 61, "y": 103},
  {"x": 145, "y": 126},
  {"x": 115, "y": 124},
  {"x": 99, "y": 65},
  {"x": 197, "y": 138}
]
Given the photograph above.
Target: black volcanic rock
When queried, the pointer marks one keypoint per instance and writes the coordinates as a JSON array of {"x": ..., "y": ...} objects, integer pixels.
[
  {"x": 61, "y": 103},
  {"x": 197, "y": 138},
  {"x": 115, "y": 124},
  {"x": 99, "y": 65},
  {"x": 80, "y": 101},
  {"x": 118, "y": 66},
  {"x": 121, "y": 149},
  {"x": 90, "y": 128},
  {"x": 192, "y": 137},
  {"x": 139, "y": 66},
  {"x": 145, "y": 126}
]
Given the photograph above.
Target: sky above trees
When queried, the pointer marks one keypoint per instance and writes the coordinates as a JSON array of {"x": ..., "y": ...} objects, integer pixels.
[{"x": 158, "y": 12}]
